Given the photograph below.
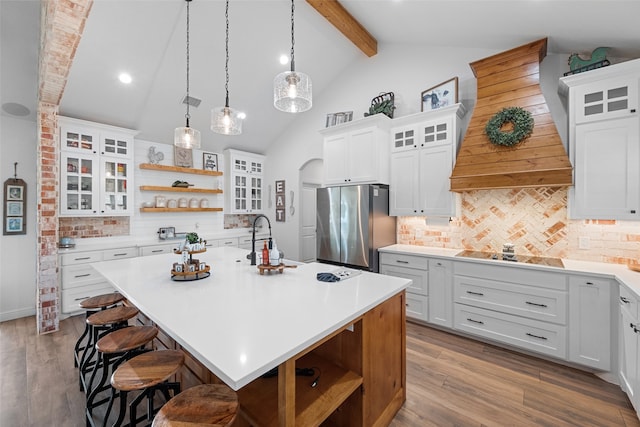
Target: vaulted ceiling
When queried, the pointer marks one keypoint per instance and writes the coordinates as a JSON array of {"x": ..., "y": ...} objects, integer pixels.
[{"x": 147, "y": 39}]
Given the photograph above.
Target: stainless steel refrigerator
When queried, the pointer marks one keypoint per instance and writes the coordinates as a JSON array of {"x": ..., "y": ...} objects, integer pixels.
[{"x": 352, "y": 223}]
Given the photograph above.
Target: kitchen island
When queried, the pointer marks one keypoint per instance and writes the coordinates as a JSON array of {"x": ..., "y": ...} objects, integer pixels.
[{"x": 240, "y": 324}]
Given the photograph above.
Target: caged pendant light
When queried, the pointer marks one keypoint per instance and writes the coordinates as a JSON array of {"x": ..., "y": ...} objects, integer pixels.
[
  {"x": 187, "y": 137},
  {"x": 226, "y": 120},
  {"x": 292, "y": 89}
]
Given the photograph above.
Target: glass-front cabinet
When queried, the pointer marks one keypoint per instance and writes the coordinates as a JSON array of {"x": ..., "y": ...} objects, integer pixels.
[
  {"x": 247, "y": 182},
  {"x": 96, "y": 169}
]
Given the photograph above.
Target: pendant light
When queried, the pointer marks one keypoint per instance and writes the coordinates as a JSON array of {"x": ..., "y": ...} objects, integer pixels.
[
  {"x": 187, "y": 137},
  {"x": 292, "y": 89},
  {"x": 225, "y": 120}
]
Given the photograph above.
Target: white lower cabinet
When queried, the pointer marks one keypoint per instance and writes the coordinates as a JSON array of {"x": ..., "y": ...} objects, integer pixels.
[
  {"x": 590, "y": 321},
  {"x": 441, "y": 292},
  {"x": 629, "y": 346},
  {"x": 415, "y": 268},
  {"x": 165, "y": 248}
]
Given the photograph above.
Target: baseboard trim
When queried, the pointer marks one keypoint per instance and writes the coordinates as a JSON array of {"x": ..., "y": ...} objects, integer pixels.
[{"x": 17, "y": 314}]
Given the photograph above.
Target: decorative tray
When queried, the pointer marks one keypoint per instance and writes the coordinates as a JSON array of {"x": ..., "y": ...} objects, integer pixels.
[
  {"x": 183, "y": 276},
  {"x": 269, "y": 268}
]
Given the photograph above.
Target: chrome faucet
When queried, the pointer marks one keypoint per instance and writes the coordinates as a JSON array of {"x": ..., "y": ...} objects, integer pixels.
[{"x": 252, "y": 255}]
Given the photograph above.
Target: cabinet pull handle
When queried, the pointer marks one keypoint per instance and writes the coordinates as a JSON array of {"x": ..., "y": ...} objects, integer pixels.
[
  {"x": 439, "y": 264},
  {"x": 81, "y": 258},
  {"x": 121, "y": 254},
  {"x": 475, "y": 321},
  {"x": 480, "y": 294},
  {"x": 156, "y": 251},
  {"x": 536, "y": 304},
  {"x": 624, "y": 300},
  {"x": 80, "y": 299},
  {"x": 537, "y": 336},
  {"x": 81, "y": 275},
  {"x": 589, "y": 283},
  {"x": 402, "y": 262}
]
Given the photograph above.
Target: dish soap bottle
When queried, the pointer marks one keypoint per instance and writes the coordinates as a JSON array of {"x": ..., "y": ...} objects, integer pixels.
[
  {"x": 274, "y": 255},
  {"x": 265, "y": 254}
]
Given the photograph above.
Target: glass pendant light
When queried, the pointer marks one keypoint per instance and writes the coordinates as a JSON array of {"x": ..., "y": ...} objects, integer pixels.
[
  {"x": 187, "y": 137},
  {"x": 225, "y": 120},
  {"x": 292, "y": 89}
]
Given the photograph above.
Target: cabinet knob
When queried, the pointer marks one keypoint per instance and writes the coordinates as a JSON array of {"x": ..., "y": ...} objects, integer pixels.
[
  {"x": 633, "y": 110},
  {"x": 624, "y": 300},
  {"x": 633, "y": 211}
]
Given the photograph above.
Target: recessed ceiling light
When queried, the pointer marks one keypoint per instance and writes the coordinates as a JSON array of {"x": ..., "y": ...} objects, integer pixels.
[
  {"x": 284, "y": 59},
  {"x": 125, "y": 78}
]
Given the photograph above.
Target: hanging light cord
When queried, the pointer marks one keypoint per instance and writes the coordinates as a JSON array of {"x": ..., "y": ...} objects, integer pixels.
[
  {"x": 293, "y": 40},
  {"x": 188, "y": 116},
  {"x": 226, "y": 64}
]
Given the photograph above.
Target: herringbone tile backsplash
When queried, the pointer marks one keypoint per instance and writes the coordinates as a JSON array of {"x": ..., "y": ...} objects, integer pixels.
[{"x": 533, "y": 219}]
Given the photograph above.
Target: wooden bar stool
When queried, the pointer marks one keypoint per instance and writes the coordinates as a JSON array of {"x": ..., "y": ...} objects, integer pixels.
[
  {"x": 147, "y": 372},
  {"x": 100, "y": 323},
  {"x": 202, "y": 405},
  {"x": 113, "y": 349},
  {"x": 91, "y": 305}
]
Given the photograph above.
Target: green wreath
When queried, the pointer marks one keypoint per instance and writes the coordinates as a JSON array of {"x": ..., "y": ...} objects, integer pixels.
[{"x": 522, "y": 126}]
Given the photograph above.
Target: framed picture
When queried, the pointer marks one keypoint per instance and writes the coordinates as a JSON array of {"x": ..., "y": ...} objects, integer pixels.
[
  {"x": 183, "y": 157},
  {"x": 210, "y": 161},
  {"x": 442, "y": 95},
  {"x": 14, "y": 209}
]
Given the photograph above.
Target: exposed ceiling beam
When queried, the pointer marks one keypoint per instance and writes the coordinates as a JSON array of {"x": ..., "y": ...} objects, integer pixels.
[{"x": 335, "y": 13}]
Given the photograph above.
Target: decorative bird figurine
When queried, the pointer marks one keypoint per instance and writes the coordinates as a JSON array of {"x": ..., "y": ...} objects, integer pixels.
[
  {"x": 599, "y": 54},
  {"x": 155, "y": 157}
]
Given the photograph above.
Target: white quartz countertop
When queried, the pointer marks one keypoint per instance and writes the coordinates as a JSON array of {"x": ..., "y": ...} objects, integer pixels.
[
  {"x": 241, "y": 324},
  {"x": 620, "y": 272}
]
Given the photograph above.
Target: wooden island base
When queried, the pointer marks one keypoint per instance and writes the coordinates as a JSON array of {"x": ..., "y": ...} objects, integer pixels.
[{"x": 359, "y": 371}]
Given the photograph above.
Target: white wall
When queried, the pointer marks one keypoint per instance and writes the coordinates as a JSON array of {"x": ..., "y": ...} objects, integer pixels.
[
  {"x": 404, "y": 70},
  {"x": 18, "y": 142}
]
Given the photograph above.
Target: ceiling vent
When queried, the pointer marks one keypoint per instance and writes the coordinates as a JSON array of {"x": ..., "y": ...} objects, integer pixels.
[
  {"x": 511, "y": 79},
  {"x": 191, "y": 101}
]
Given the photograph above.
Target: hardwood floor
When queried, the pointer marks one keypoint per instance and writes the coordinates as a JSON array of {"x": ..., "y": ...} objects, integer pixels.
[{"x": 451, "y": 381}]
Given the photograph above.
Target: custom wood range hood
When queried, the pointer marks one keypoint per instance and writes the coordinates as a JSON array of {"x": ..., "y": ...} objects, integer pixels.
[{"x": 511, "y": 79}]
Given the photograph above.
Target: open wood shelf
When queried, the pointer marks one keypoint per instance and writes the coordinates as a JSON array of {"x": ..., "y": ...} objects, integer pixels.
[
  {"x": 179, "y": 169},
  {"x": 180, "y": 189},
  {"x": 180, "y": 209},
  {"x": 259, "y": 399}
]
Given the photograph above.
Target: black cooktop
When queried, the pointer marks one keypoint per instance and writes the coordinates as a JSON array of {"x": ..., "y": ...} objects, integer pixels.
[{"x": 527, "y": 259}]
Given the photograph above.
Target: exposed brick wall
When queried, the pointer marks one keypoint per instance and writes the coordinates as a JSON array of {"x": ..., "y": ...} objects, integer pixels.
[
  {"x": 79, "y": 228},
  {"x": 62, "y": 23}
]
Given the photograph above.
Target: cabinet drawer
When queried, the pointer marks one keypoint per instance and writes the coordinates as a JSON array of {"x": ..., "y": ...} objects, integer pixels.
[
  {"x": 529, "y": 334},
  {"x": 418, "y": 307},
  {"x": 402, "y": 260},
  {"x": 81, "y": 258},
  {"x": 156, "y": 250},
  {"x": 419, "y": 278},
  {"x": 111, "y": 254},
  {"x": 629, "y": 302},
  {"x": 74, "y": 276},
  {"x": 71, "y": 298},
  {"x": 231, "y": 241},
  {"x": 528, "y": 301},
  {"x": 513, "y": 274}
]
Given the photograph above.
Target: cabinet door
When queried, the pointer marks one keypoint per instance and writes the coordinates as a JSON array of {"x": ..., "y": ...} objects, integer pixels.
[
  {"x": 441, "y": 292},
  {"x": 590, "y": 322},
  {"x": 436, "y": 164},
  {"x": 607, "y": 99},
  {"x": 79, "y": 185},
  {"x": 78, "y": 139},
  {"x": 362, "y": 156},
  {"x": 437, "y": 132},
  {"x": 607, "y": 170},
  {"x": 114, "y": 145},
  {"x": 335, "y": 159},
  {"x": 403, "y": 139},
  {"x": 256, "y": 193},
  {"x": 629, "y": 346},
  {"x": 405, "y": 183},
  {"x": 116, "y": 186}
]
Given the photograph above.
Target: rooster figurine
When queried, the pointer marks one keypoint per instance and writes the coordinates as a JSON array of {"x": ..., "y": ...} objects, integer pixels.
[
  {"x": 598, "y": 55},
  {"x": 155, "y": 157}
]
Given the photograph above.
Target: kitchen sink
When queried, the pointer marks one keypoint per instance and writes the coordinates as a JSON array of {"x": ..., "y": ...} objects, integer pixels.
[{"x": 526, "y": 259}]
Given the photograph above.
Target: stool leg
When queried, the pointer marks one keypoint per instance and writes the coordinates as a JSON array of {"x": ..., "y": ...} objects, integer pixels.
[
  {"x": 92, "y": 391},
  {"x": 121, "y": 412},
  {"x": 77, "y": 348}
]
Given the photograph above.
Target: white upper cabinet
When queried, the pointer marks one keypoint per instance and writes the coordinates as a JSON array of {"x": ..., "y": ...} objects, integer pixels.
[
  {"x": 604, "y": 142},
  {"x": 357, "y": 152},
  {"x": 423, "y": 152},
  {"x": 245, "y": 192},
  {"x": 96, "y": 168}
]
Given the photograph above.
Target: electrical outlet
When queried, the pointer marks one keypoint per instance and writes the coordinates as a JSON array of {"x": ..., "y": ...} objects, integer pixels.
[{"x": 583, "y": 242}]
